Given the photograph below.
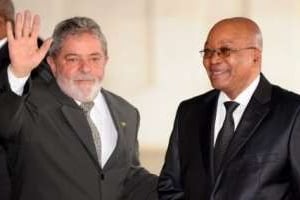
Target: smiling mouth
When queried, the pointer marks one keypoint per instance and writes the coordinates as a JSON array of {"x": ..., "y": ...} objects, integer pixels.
[
  {"x": 85, "y": 80},
  {"x": 218, "y": 73}
]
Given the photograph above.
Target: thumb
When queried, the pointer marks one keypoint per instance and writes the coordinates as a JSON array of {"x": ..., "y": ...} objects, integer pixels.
[{"x": 45, "y": 47}]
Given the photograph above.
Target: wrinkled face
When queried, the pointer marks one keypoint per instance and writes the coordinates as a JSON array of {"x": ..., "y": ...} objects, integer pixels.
[
  {"x": 232, "y": 71},
  {"x": 79, "y": 66}
]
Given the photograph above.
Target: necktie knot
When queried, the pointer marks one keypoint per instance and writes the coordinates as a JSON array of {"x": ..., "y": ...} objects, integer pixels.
[
  {"x": 87, "y": 106},
  {"x": 230, "y": 106}
]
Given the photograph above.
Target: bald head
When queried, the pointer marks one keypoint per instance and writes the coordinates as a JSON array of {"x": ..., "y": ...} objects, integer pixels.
[
  {"x": 232, "y": 55},
  {"x": 240, "y": 27}
]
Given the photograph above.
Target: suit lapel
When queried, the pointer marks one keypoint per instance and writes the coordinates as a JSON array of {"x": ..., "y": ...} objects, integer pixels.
[
  {"x": 254, "y": 114},
  {"x": 81, "y": 128},
  {"x": 74, "y": 116},
  {"x": 207, "y": 114},
  {"x": 76, "y": 120}
]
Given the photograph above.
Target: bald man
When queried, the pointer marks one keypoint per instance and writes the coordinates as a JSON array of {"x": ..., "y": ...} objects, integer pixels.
[{"x": 241, "y": 140}]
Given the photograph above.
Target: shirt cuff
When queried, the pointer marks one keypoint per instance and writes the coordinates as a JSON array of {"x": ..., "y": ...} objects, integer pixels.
[{"x": 16, "y": 84}]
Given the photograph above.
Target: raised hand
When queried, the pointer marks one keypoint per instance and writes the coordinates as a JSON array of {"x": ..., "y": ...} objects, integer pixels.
[{"x": 25, "y": 55}]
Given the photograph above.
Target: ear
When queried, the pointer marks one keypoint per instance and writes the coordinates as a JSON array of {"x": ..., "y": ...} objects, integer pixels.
[{"x": 52, "y": 64}]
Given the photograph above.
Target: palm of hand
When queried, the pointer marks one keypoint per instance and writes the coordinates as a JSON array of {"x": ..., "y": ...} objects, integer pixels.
[{"x": 24, "y": 52}]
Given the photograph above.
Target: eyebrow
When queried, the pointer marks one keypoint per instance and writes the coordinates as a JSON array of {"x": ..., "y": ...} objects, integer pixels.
[
  {"x": 71, "y": 54},
  {"x": 96, "y": 54},
  {"x": 91, "y": 54}
]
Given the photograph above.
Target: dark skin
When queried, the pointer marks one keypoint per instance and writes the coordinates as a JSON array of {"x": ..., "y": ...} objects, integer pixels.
[{"x": 236, "y": 72}]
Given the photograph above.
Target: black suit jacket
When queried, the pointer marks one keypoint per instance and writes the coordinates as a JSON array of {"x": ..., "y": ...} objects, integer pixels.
[
  {"x": 51, "y": 154},
  {"x": 4, "y": 176},
  {"x": 42, "y": 71},
  {"x": 262, "y": 162}
]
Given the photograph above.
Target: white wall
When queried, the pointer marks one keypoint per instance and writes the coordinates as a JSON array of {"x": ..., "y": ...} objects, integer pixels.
[{"x": 154, "y": 44}]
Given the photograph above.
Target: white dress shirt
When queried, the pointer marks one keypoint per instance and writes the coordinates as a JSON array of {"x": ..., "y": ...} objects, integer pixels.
[
  {"x": 243, "y": 100},
  {"x": 102, "y": 118},
  {"x": 100, "y": 115}
]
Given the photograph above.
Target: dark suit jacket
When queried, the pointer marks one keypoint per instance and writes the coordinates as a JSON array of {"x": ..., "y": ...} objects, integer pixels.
[
  {"x": 262, "y": 162},
  {"x": 4, "y": 176},
  {"x": 51, "y": 151},
  {"x": 42, "y": 71}
]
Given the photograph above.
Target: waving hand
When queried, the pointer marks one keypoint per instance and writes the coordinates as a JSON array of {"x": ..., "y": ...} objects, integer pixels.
[{"x": 24, "y": 52}]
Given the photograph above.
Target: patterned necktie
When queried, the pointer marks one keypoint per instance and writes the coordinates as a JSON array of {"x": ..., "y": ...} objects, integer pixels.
[
  {"x": 225, "y": 135},
  {"x": 86, "y": 107}
]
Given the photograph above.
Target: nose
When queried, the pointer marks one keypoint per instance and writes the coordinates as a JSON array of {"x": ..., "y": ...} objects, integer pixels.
[{"x": 85, "y": 66}]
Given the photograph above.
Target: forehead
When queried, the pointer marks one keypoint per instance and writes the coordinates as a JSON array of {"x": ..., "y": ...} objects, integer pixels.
[
  {"x": 228, "y": 34},
  {"x": 83, "y": 43}
]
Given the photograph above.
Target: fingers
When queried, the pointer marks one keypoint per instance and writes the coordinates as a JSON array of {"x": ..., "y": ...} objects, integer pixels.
[
  {"x": 35, "y": 26},
  {"x": 45, "y": 47},
  {"x": 18, "y": 25},
  {"x": 9, "y": 31},
  {"x": 25, "y": 26}
]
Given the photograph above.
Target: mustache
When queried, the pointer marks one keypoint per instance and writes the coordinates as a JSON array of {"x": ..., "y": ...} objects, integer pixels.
[{"x": 84, "y": 78}]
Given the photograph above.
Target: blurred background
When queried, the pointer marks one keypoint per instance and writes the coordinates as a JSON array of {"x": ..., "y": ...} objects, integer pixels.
[{"x": 153, "y": 49}]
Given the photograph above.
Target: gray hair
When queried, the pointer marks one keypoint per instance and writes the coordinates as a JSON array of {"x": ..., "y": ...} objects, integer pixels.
[
  {"x": 7, "y": 10},
  {"x": 75, "y": 26}
]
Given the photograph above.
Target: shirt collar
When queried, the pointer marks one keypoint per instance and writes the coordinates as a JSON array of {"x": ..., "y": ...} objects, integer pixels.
[
  {"x": 99, "y": 99},
  {"x": 244, "y": 97}
]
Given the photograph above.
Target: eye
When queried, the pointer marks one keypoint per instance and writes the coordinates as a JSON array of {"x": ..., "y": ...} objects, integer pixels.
[
  {"x": 225, "y": 51},
  {"x": 72, "y": 59},
  {"x": 207, "y": 52},
  {"x": 95, "y": 59}
]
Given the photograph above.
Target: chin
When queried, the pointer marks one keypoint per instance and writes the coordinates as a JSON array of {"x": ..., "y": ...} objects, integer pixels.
[
  {"x": 220, "y": 83},
  {"x": 217, "y": 85},
  {"x": 78, "y": 93},
  {"x": 85, "y": 95}
]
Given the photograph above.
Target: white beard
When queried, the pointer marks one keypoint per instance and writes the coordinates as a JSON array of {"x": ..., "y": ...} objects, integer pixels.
[{"x": 72, "y": 90}]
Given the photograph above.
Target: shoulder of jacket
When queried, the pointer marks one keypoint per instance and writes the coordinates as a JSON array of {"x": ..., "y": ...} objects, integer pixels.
[
  {"x": 116, "y": 99},
  {"x": 202, "y": 98}
]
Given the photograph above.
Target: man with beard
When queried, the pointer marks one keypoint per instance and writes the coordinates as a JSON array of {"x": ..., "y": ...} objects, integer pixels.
[{"x": 67, "y": 137}]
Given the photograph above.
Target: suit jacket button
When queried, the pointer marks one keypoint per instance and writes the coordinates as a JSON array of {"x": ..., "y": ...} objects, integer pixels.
[{"x": 102, "y": 176}]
